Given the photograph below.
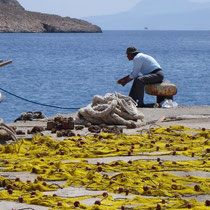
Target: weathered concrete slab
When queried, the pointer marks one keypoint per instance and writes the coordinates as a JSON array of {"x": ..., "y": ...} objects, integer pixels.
[
  {"x": 200, "y": 198},
  {"x": 90, "y": 201},
  {"x": 72, "y": 192},
  {"x": 8, "y": 205},
  {"x": 132, "y": 158},
  {"x": 202, "y": 174},
  {"x": 24, "y": 176}
]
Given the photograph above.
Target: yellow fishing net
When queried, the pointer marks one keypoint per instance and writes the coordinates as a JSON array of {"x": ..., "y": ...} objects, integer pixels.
[{"x": 153, "y": 183}]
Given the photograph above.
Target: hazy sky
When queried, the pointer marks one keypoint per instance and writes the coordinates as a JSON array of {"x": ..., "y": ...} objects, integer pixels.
[
  {"x": 78, "y": 8},
  {"x": 81, "y": 8}
]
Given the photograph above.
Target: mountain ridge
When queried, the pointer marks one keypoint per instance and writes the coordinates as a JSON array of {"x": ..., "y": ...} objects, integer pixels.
[{"x": 149, "y": 13}]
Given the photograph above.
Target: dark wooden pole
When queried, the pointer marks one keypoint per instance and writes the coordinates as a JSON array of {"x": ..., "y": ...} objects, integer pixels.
[{"x": 5, "y": 63}]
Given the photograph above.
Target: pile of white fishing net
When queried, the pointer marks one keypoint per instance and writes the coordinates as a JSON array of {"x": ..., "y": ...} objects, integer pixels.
[{"x": 111, "y": 109}]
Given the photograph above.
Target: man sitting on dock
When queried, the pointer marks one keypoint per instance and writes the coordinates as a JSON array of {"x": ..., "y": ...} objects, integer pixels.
[{"x": 149, "y": 68}]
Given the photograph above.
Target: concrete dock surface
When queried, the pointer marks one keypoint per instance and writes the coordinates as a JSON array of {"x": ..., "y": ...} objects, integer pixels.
[{"x": 189, "y": 116}]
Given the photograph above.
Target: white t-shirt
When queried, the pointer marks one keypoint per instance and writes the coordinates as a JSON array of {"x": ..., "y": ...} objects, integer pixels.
[{"x": 144, "y": 64}]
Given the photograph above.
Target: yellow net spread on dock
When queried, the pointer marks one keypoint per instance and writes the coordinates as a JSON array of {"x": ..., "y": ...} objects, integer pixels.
[{"x": 155, "y": 183}]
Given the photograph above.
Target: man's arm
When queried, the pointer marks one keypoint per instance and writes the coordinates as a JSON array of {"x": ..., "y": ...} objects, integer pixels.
[{"x": 123, "y": 81}]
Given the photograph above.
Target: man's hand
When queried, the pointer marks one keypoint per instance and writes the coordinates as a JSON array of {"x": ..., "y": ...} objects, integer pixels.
[
  {"x": 120, "y": 81},
  {"x": 123, "y": 81}
]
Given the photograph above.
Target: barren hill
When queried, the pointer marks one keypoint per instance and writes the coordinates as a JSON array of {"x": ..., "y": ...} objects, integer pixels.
[{"x": 15, "y": 19}]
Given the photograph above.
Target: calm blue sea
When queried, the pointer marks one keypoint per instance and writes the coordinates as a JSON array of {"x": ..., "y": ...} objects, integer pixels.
[{"x": 67, "y": 70}]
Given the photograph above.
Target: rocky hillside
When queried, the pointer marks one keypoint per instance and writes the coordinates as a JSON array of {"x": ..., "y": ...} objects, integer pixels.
[{"x": 15, "y": 19}]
